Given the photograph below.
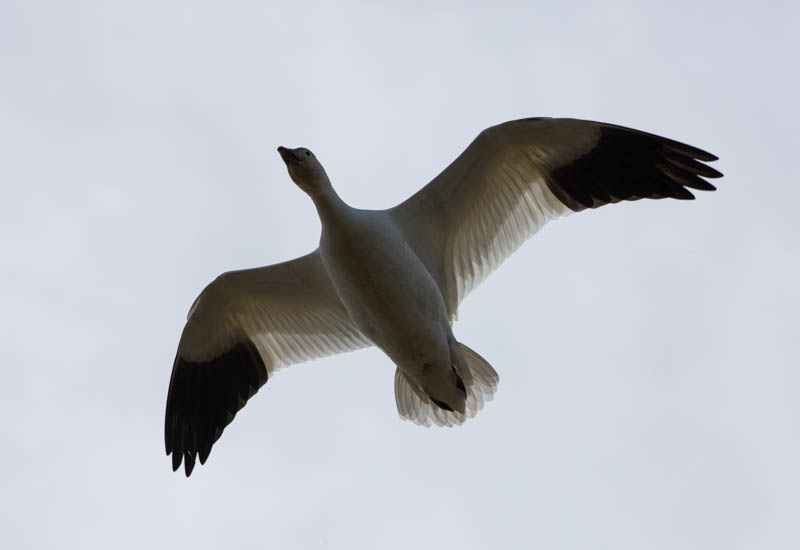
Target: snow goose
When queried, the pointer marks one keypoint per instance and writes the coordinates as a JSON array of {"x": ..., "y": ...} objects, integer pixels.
[{"x": 394, "y": 278}]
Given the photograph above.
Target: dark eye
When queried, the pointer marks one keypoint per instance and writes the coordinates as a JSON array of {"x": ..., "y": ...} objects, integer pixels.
[{"x": 308, "y": 153}]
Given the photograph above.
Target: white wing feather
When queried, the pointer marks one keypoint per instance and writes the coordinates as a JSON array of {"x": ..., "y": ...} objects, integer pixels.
[
  {"x": 290, "y": 311},
  {"x": 491, "y": 199}
]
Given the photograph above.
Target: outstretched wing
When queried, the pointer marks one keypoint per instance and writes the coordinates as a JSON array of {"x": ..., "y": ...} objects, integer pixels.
[
  {"x": 515, "y": 177},
  {"x": 241, "y": 329}
]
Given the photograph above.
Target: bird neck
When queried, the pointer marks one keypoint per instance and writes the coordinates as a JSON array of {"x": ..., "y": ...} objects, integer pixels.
[{"x": 329, "y": 205}]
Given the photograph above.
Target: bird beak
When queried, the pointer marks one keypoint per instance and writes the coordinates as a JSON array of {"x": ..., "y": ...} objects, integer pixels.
[{"x": 288, "y": 156}]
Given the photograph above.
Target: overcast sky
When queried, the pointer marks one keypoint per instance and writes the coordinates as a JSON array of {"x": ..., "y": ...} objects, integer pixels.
[{"x": 649, "y": 381}]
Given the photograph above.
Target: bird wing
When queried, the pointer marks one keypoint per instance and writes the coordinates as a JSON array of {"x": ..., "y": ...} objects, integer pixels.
[
  {"x": 244, "y": 326},
  {"x": 516, "y": 176}
]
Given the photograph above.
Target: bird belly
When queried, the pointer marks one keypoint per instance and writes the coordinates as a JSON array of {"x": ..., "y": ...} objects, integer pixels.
[{"x": 390, "y": 296}]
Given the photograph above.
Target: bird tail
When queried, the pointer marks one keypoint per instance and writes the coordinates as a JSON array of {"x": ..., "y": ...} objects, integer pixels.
[{"x": 479, "y": 380}]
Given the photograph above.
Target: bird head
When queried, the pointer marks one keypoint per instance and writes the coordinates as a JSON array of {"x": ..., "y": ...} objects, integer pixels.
[{"x": 304, "y": 169}]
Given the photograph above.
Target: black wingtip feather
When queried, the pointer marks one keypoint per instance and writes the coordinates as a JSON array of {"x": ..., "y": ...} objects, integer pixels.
[
  {"x": 188, "y": 462},
  {"x": 627, "y": 164},
  {"x": 204, "y": 397},
  {"x": 692, "y": 166},
  {"x": 688, "y": 150}
]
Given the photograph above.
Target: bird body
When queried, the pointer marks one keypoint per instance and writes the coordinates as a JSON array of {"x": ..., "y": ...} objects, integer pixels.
[
  {"x": 385, "y": 288},
  {"x": 389, "y": 294},
  {"x": 394, "y": 278}
]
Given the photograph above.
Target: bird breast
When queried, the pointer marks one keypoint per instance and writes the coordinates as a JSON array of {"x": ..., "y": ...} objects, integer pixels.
[{"x": 388, "y": 292}]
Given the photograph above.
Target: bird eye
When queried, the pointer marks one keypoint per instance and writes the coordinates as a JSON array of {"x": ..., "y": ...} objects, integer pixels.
[{"x": 308, "y": 153}]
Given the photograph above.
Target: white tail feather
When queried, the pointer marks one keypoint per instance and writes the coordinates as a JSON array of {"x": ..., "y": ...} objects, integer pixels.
[{"x": 480, "y": 381}]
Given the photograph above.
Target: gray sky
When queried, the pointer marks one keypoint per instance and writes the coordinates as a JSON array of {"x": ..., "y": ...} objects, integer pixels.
[{"x": 646, "y": 351}]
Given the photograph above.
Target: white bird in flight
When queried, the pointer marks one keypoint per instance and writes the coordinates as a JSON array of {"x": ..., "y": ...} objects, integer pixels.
[{"x": 395, "y": 278}]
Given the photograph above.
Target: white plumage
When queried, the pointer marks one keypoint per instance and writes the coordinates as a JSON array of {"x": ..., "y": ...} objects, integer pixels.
[{"x": 395, "y": 278}]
